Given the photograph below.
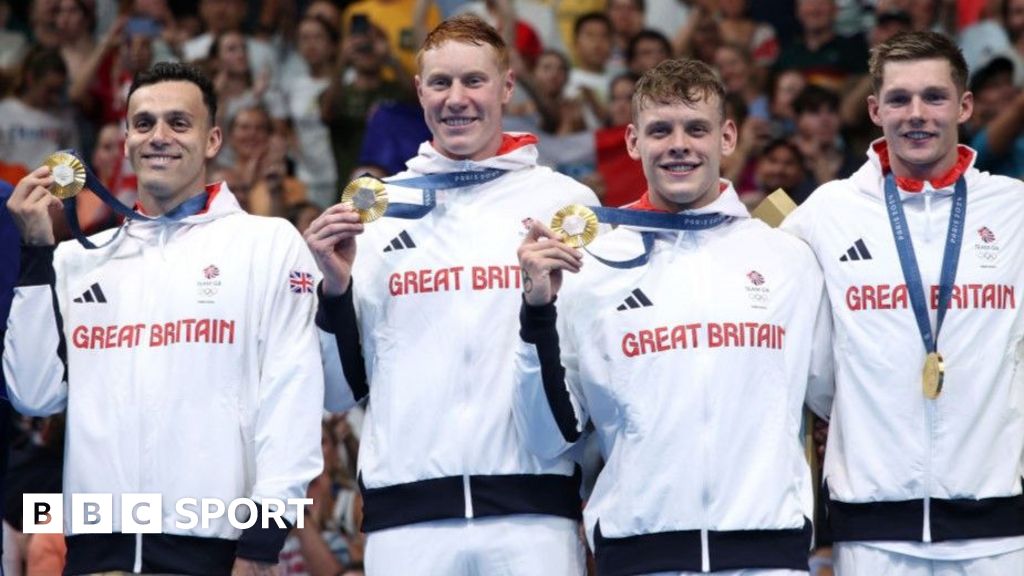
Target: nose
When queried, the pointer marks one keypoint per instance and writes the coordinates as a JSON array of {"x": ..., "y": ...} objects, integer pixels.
[
  {"x": 916, "y": 109},
  {"x": 160, "y": 135},
  {"x": 679, "y": 143},
  {"x": 457, "y": 95}
]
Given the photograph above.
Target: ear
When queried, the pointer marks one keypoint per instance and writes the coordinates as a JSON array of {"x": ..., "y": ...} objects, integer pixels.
[
  {"x": 419, "y": 87},
  {"x": 508, "y": 87},
  {"x": 213, "y": 142},
  {"x": 729, "y": 136},
  {"x": 632, "y": 141},
  {"x": 873, "y": 110},
  {"x": 966, "y": 107}
]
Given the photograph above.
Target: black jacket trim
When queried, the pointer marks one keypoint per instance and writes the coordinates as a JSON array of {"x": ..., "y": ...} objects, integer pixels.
[
  {"x": 337, "y": 315},
  {"x": 261, "y": 544},
  {"x": 681, "y": 551},
  {"x": 37, "y": 266},
  {"x": 493, "y": 495},
  {"x": 537, "y": 327},
  {"x": 959, "y": 519},
  {"x": 161, "y": 554}
]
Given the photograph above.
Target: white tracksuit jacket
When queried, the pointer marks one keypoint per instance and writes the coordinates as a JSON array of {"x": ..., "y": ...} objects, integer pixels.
[
  {"x": 188, "y": 367},
  {"x": 434, "y": 322},
  {"x": 692, "y": 369},
  {"x": 900, "y": 467}
]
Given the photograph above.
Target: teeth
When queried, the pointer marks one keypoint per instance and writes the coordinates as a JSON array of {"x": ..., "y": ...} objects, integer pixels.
[
  {"x": 918, "y": 135},
  {"x": 680, "y": 167},
  {"x": 457, "y": 121}
]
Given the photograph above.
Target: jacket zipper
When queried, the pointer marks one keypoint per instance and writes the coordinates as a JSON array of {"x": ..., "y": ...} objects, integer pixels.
[{"x": 929, "y": 408}]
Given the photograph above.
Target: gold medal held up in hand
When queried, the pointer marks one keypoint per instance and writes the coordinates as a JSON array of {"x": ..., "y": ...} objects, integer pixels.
[
  {"x": 68, "y": 174},
  {"x": 932, "y": 375},
  {"x": 575, "y": 224},
  {"x": 367, "y": 196}
]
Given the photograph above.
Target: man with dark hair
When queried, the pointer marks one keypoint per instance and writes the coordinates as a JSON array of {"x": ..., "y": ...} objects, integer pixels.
[
  {"x": 591, "y": 75},
  {"x": 647, "y": 49},
  {"x": 818, "y": 137},
  {"x": 924, "y": 265},
  {"x": 182, "y": 347},
  {"x": 822, "y": 55},
  {"x": 684, "y": 338},
  {"x": 424, "y": 319}
]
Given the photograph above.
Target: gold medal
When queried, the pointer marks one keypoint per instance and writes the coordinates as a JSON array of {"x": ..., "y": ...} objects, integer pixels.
[
  {"x": 932, "y": 375},
  {"x": 575, "y": 224},
  {"x": 68, "y": 174},
  {"x": 367, "y": 196}
]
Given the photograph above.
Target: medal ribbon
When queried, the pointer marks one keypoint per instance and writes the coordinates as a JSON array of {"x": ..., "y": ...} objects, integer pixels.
[
  {"x": 908, "y": 260},
  {"x": 647, "y": 219},
  {"x": 187, "y": 208},
  {"x": 430, "y": 183}
]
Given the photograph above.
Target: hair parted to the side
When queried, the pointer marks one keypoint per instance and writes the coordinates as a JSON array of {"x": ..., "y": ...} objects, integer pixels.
[
  {"x": 180, "y": 72},
  {"x": 678, "y": 80},
  {"x": 918, "y": 45},
  {"x": 467, "y": 29}
]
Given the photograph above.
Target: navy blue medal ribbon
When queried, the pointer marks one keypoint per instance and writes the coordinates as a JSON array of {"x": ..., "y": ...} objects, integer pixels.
[
  {"x": 430, "y": 183},
  {"x": 647, "y": 219},
  {"x": 187, "y": 208},
  {"x": 908, "y": 260}
]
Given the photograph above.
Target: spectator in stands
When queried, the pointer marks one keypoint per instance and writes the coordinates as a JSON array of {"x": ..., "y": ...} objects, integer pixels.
[
  {"x": 43, "y": 23},
  {"x": 818, "y": 138},
  {"x": 350, "y": 97},
  {"x": 398, "y": 19},
  {"x": 647, "y": 49},
  {"x": 998, "y": 119},
  {"x": 701, "y": 37},
  {"x": 33, "y": 122},
  {"x": 780, "y": 165},
  {"x": 591, "y": 76},
  {"x": 315, "y": 166},
  {"x": 75, "y": 22},
  {"x": 619, "y": 178},
  {"x": 823, "y": 56},
  {"x": 220, "y": 16},
  {"x": 627, "y": 19},
  {"x": 549, "y": 110},
  {"x": 238, "y": 86},
  {"x": 739, "y": 29},
  {"x": 784, "y": 87},
  {"x": 734, "y": 66},
  {"x": 102, "y": 89}
]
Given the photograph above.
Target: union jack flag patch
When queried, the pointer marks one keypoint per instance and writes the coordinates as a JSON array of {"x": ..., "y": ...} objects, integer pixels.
[
  {"x": 300, "y": 282},
  {"x": 987, "y": 236}
]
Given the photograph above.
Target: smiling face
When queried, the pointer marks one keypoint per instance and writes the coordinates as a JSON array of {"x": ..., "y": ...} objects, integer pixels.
[
  {"x": 462, "y": 89},
  {"x": 919, "y": 108},
  {"x": 169, "y": 140},
  {"x": 681, "y": 145}
]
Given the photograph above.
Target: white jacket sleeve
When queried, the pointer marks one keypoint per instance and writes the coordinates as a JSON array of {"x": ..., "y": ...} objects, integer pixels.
[
  {"x": 547, "y": 404},
  {"x": 821, "y": 380},
  {"x": 290, "y": 392},
  {"x": 35, "y": 361}
]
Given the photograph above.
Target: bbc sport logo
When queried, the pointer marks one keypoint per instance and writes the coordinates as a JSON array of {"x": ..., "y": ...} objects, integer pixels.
[{"x": 143, "y": 513}]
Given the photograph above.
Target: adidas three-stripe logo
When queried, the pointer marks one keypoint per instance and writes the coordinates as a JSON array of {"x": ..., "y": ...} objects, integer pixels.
[
  {"x": 859, "y": 251},
  {"x": 637, "y": 299},
  {"x": 400, "y": 242},
  {"x": 93, "y": 294}
]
